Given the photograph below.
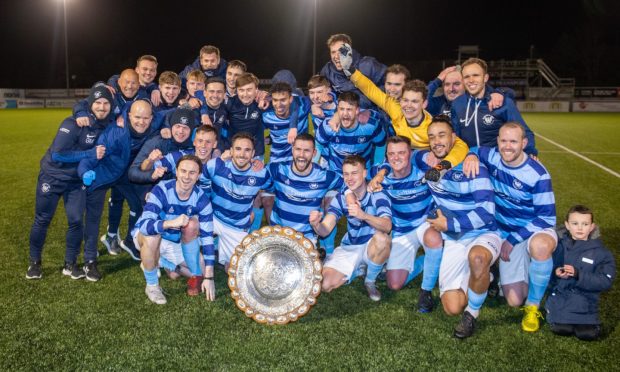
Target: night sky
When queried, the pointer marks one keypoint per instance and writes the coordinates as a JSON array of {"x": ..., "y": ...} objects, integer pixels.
[{"x": 576, "y": 38}]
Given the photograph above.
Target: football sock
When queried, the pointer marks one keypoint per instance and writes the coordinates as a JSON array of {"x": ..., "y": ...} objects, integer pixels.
[
  {"x": 475, "y": 301},
  {"x": 418, "y": 266},
  {"x": 431, "y": 267},
  {"x": 166, "y": 264},
  {"x": 372, "y": 271},
  {"x": 258, "y": 218},
  {"x": 151, "y": 276},
  {"x": 191, "y": 254},
  {"x": 540, "y": 273}
]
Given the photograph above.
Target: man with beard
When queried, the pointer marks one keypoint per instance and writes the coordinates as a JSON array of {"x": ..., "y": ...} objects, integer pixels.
[
  {"x": 177, "y": 212},
  {"x": 58, "y": 178},
  {"x": 411, "y": 201},
  {"x": 525, "y": 214},
  {"x": 369, "y": 222},
  {"x": 465, "y": 216},
  {"x": 122, "y": 145},
  {"x": 299, "y": 187},
  {"x": 235, "y": 185}
]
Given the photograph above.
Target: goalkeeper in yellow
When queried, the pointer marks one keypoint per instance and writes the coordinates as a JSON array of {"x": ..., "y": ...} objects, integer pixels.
[{"x": 408, "y": 114}]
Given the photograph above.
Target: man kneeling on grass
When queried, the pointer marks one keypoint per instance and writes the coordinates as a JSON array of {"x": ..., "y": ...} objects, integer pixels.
[
  {"x": 177, "y": 217},
  {"x": 369, "y": 223}
]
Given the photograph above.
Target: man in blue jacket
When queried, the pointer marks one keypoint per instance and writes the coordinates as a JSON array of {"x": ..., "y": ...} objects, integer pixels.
[
  {"x": 369, "y": 66},
  {"x": 472, "y": 118},
  {"x": 58, "y": 177},
  {"x": 123, "y": 145},
  {"x": 209, "y": 62}
]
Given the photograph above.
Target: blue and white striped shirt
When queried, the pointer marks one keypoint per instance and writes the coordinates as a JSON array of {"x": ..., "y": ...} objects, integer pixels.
[
  {"x": 163, "y": 204},
  {"x": 358, "y": 231},
  {"x": 234, "y": 190},
  {"x": 467, "y": 203},
  {"x": 524, "y": 199},
  {"x": 361, "y": 139},
  {"x": 281, "y": 150},
  {"x": 170, "y": 162},
  {"x": 296, "y": 196},
  {"x": 410, "y": 197}
]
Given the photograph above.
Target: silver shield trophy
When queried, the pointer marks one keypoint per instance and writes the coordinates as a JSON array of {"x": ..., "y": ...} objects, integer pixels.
[{"x": 275, "y": 275}]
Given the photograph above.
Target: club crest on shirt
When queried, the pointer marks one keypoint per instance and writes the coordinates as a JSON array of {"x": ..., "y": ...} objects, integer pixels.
[
  {"x": 361, "y": 139},
  {"x": 488, "y": 119},
  {"x": 457, "y": 176},
  {"x": 252, "y": 181},
  {"x": 171, "y": 210},
  {"x": 254, "y": 114},
  {"x": 45, "y": 187},
  {"x": 314, "y": 185},
  {"x": 189, "y": 210},
  {"x": 517, "y": 184}
]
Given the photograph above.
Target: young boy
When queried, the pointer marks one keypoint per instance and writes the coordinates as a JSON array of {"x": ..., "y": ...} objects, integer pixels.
[{"x": 582, "y": 269}]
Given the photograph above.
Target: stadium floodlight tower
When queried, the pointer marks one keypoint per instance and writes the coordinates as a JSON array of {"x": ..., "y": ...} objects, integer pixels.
[
  {"x": 64, "y": 18},
  {"x": 314, "y": 37}
]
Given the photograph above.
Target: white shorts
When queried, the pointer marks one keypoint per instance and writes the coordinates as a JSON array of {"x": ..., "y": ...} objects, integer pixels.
[
  {"x": 265, "y": 194},
  {"x": 228, "y": 240},
  {"x": 405, "y": 248},
  {"x": 517, "y": 269},
  {"x": 454, "y": 269},
  {"x": 171, "y": 251},
  {"x": 347, "y": 258}
]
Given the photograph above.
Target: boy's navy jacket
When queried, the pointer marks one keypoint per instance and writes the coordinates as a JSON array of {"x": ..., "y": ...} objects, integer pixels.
[
  {"x": 369, "y": 66},
  {"x": 576, "y": 301},
  {"x": 475, "y": 124},
  {"x": 122, "y": 145}
]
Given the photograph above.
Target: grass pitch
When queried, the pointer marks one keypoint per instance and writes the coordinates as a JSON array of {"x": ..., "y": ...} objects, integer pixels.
[{"x": 60, "y": 324}]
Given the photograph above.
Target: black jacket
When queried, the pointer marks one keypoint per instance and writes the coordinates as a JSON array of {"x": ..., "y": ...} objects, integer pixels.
[{"x": 575, "y": 300}]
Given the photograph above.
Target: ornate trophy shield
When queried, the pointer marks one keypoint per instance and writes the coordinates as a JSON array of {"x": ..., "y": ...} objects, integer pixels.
[{"x": 275, "y": 275}]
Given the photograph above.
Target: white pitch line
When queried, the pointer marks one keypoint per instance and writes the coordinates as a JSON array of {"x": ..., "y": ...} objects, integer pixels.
[
  {"x": 583, "y": 152},
  {"x": 613, "y": 173}
]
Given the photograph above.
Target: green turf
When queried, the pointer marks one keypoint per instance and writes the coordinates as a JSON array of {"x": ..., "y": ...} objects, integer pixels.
[{"x": 60, "y": 324}]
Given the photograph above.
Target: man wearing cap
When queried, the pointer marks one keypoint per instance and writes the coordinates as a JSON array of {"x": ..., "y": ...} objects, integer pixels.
[
  {"x": 58, "y": 178},
  {"x": 122, "y": 144}
]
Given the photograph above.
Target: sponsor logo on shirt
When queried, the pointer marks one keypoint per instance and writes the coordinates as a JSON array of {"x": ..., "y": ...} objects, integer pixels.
[{"x": 90, "y": 138}]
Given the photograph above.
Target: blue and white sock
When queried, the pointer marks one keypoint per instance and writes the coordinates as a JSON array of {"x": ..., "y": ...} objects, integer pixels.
[
  {"x": 475, "y": 301},
  {"x": 418, "y": 267},
  {"x": 540, "y": 273},
  {"x": 166, "y": 264},
  {"x": 372, "y": 271},
  {"x": 258, "y": 218},
  {"x": 151, "y": 276},
  {"x": 191, "y": 255},
  {"x": 431, "y": 267}
]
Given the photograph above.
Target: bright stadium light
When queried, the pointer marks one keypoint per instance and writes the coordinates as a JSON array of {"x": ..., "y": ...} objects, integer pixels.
[{"x": 64, "y": 10}]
